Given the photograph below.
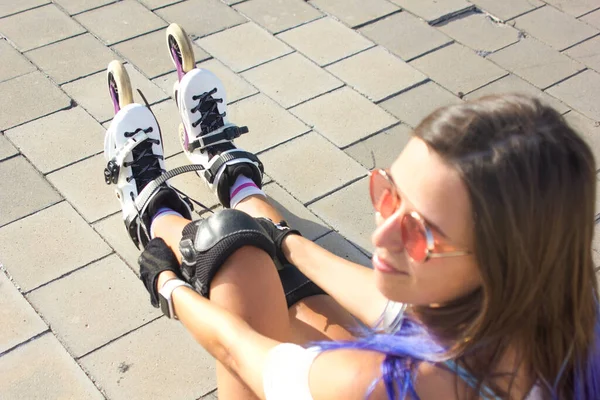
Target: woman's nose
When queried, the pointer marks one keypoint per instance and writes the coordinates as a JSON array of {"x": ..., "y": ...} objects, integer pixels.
[{"x": 388, "y": 233}]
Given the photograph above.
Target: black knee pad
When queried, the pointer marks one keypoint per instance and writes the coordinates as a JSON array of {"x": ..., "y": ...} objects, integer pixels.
[
  {"x": 207, "y": 243},
  {"x": 296, "y": 285}
]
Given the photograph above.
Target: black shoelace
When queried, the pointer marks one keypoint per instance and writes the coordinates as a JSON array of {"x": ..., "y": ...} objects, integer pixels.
[
  {"x": 145, "y": 166},
  {"x": 211, "y": 119}
]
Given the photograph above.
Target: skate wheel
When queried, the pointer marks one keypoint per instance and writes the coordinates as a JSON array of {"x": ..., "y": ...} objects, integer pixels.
[
  {"x": 119, "y": 85},
  {"x": 180, "y": 49}
]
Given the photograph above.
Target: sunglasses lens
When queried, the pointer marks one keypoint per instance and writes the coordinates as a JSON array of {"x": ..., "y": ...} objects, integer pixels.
[
  {"x": 414, "y": 238},
  {"x": 383, "y": 195}
]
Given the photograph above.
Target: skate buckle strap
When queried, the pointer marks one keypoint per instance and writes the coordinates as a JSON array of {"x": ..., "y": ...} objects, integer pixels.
[
  {"x": 211, "y": 172},
  {"x": 111, "y": 172},
  {"x": 224, "y": 134},
  {"x": 146, "y": 194}
]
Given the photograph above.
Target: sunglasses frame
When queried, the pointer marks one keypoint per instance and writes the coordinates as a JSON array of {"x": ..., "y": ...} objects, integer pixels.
[{"x": 431, "y": 250}]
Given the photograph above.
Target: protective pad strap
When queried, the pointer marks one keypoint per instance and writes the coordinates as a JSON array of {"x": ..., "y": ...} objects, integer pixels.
[
  {"x": 206, "y": 245},
  {"x": 296, "y": 285}
]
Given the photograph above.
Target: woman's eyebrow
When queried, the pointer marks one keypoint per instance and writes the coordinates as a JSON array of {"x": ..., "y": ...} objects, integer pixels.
[{"x": 431, "y": 224}]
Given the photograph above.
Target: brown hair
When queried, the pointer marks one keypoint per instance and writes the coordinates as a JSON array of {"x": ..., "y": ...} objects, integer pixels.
[{"x": 531, "y": 182}]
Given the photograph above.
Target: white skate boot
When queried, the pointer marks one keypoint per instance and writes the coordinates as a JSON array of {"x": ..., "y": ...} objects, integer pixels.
[
  {"x": 206, "y": 134},
  {"x": 135, "y": 164}
]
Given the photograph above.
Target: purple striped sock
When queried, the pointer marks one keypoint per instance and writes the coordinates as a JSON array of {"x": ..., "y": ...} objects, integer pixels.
[
  {"x": 163, "y": 211},
  {"x": 242, "y": 188}
]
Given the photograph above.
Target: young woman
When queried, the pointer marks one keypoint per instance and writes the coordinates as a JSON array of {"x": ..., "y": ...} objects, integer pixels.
[{"x": 482, "y": 284}]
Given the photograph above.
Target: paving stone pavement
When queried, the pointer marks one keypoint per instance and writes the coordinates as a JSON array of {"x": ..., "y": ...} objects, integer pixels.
[{"x": 331, "y": 88}]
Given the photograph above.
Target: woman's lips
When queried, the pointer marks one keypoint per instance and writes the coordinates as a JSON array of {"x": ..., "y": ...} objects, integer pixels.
[{"x": 382, "y": 266}]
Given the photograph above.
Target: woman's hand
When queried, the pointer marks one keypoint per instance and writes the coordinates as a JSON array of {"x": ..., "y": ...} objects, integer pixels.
[{"x": 157, "y": 265}]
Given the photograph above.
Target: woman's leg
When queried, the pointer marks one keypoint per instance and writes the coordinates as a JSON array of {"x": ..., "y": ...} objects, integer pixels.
[
  {"x": 248, "y": 285},
  {"x": 314, "y": 318},
  {"x": 262, "y": 303}
]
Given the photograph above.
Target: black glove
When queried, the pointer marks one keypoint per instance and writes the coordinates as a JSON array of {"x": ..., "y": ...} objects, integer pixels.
[
  {"x": 156, "y": 258},
  {"x": 278, "y": 232}
]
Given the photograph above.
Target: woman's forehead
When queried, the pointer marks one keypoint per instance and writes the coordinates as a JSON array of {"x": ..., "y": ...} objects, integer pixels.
[{"x": 434, "y": 189}]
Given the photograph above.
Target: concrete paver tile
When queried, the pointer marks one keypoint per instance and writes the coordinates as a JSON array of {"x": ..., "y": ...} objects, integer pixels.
[
  {"x": 244, "y": 46},
  {"x": 6, "y": 148},
  {"x": 458, "y": 68},
  {"x": 513, "y": 84},
  {"x": 417, "y": 103},
  {"x": 433, "y": 11},
  {"x": 335, "y": 243},
  {"x": 72, "y": 58},
  {"x": 120, "y": 21},
  {"x": 69, "y": 243},
  {"x": 592, "y": 19},
  {"x": 31, "y": 96},
  {"x": 38, "y": 27},
  {"x": 112, "y": 230},
  {"x": 376, "y": 73},
  {"x": 12, "y": 7},
  {"x": 581, "y": 93},
  {"x": 536, "y": 62},
  {"x": 291, "y": 80},
  {"x": 83, "y": 185},
  {"x": 94, "y": 305},
  {"x": 13, "y": 63},
  {"x": 323, "y": 167},
  {"x": 159, "y": 360},
  {"x": 168, "y": 118},
  {"x": 587, "y": 52},
  {"x": 325, "y": 40},
  {"x": 355, "y": 12},
  {"x": 574, "y": 7},
  {"x": 190, "y": 183},
  {"x": 92, "y": 92},
  {"x": 480, "y": 32},
  {"x": 296, "y": 215},
  {"x": 201, "y": 17},
  {"x": 589, "y": 131},
  {"x": 278, "y": 15},
  {"x": 555, "y": 28},
  {"x": 235, "y": 87},
  {"x": 69, "y": 136},
  {"x": 268, "y": 122},
  {"x": 22, "y": 191},
  {"x": 153, "y": 4},
  {"x": 150, "y": 55},
  {"x": 381, "y": 150},
  {"x": 507, "y": 9},
  {"x": 343, "y": 116},
  {"x": 405, "y": 35},
  {"x": 20, "y": 320},
  {"x": 355, "y": 220},
  {"x": 42, "y": 369},
  {"x": 165, "y": 82},
  {"x": 78, "y": 6}
]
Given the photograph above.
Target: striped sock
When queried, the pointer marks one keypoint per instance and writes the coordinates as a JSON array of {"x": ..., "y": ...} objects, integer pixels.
[
  {"x": 242, "y": 188},
  {"x": 163, "y": 211}
]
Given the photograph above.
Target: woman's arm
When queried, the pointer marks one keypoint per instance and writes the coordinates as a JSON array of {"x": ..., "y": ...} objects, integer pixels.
[
  {"x": 339, "y": 374},
  {"x": 350, "y": 284}
]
